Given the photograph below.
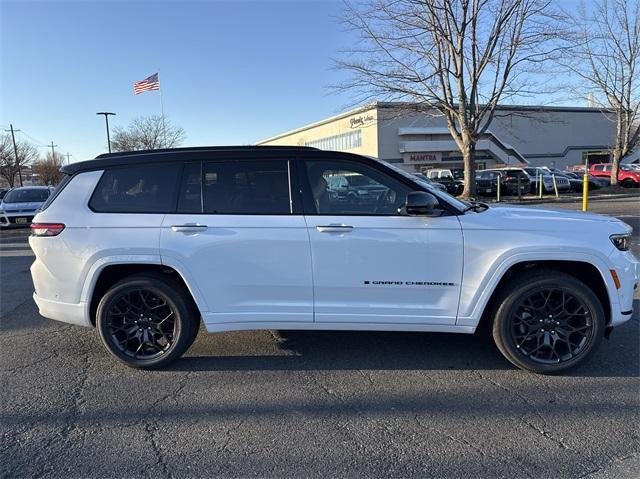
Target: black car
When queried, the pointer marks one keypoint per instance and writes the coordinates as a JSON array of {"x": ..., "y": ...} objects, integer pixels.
[
  {"x": 451, "y": 178},
  {"x": 510, "y": 180},
  {"x": 576, "y": 181}
]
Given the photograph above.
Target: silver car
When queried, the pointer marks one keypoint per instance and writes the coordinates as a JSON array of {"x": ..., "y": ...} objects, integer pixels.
[{"x": 19, "y": 205}]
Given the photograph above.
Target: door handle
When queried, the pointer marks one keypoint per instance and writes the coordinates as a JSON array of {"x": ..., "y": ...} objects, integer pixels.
[
  {"x": 189, "y": 228},
  {"x": 334, "y": 228}
]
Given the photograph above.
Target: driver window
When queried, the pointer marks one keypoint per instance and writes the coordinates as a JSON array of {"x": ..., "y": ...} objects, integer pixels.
[{"x": 346, "y": 188}]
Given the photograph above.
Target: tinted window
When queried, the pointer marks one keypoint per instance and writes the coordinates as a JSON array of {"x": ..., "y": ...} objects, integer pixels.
[
  {"x": 27, "y": 195},
  {"x": 369, "y": 191},
  {"x": 247, "y": 187},
  {"x": 598, "y": 167},
  {"x": 139, "y": 189},
  {"x": 190, "y": 197}
]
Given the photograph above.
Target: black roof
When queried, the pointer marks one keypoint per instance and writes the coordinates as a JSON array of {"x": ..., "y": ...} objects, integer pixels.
[{"x": 184, "y": 154}]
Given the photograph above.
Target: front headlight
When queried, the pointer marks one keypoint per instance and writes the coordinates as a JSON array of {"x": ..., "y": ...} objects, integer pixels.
[{"x": 622, "y": 241}]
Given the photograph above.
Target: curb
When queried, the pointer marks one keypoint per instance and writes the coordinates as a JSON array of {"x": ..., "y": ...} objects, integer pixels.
[{"x": 577, "y": 199}]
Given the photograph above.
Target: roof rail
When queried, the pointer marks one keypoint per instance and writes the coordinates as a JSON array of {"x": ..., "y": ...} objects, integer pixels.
[{"x": 203, "y": 148}]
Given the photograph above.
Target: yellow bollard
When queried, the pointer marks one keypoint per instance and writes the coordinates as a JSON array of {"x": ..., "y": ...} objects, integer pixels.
[
  {"x": 498, "y": 190},
  {"x": 555, "y": 185},
  {"x": 585, "y": 191},
  {"x": 540, "y": 186}
]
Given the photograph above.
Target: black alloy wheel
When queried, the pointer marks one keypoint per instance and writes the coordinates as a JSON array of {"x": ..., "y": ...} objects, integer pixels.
[
  {"x": 551, "y": 325},
  {"x": 147, "y": 321},
  {"x": 547, "y": 321}
]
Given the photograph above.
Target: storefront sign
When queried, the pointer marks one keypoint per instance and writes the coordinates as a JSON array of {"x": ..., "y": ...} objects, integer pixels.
[
  {"x": 360, "y": 120},
  {"x": 423, "y": 157}
]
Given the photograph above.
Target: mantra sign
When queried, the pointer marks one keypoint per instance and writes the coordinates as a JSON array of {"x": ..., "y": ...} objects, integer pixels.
[{"x": 423, "y": 157}]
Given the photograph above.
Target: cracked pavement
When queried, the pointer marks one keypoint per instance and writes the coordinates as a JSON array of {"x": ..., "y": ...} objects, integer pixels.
[{"x": 323, "y": 404}]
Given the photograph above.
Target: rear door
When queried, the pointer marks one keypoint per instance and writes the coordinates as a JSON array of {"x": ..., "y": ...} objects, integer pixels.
[{"x": 237, "y": 237}]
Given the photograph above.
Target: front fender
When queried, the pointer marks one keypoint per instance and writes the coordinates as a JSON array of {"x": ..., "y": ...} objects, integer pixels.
[{"x": 478, "y": 287}]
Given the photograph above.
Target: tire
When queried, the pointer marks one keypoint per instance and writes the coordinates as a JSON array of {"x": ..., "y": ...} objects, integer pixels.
[
  {"x": 533, "y": 333},
  {"x": 629, "y": 184},
  {"x": 134, "y": 321}
]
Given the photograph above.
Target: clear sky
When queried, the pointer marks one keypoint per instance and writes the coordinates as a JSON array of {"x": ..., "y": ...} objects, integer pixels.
[{"x": 231, "y": 72}]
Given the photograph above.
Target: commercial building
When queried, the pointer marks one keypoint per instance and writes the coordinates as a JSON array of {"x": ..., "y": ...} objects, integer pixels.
[{"x": 418, "y": 138}]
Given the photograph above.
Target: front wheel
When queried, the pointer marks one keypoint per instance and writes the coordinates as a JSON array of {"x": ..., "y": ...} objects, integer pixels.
[
  {"x": 547, "y": 322},
  {"x": 147, "y": 321}
]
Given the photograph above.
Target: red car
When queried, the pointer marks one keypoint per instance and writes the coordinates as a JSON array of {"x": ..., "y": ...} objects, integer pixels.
[{"x": 627, "y": 176}]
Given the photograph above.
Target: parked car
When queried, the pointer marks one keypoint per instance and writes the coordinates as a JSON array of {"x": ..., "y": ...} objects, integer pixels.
[
  {"x": 628, "y": 176},
  {"x": 487, "y": 182},
  {"x": 128, "y": 246},
  {"x": 451, "y": 178},
  {"x": 433, "y": 184},
  {"x": 535, "y": 173},
  {"x": 3, "y": 191},
  {"x": 595, "y": 183},
  {"x": 574, "y": 169},
  {"x": 354, "y": 188},
  {"x": 19, "y": 205}
]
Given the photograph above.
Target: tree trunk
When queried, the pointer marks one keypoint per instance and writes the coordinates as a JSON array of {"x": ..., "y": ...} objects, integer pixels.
[
  {"x": 615, "y": 165},
  {"x": 468, "y": 156}
]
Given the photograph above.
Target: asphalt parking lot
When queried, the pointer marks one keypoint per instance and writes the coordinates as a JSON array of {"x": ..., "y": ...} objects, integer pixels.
[{"x": 307, "y": 404}]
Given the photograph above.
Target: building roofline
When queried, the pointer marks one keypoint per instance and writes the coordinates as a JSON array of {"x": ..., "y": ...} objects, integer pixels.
[
  {"x": 339, "y": 116},
  {"x": 416, "y": 106}
]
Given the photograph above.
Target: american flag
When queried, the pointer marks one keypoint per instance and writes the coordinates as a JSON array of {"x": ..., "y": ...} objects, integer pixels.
[{"x": 150, "y": 83}]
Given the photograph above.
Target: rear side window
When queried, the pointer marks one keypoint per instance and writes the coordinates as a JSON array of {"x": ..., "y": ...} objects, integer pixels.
[
  {"x": 247, "y": 187},
  {"x": 137, "y": 189}
]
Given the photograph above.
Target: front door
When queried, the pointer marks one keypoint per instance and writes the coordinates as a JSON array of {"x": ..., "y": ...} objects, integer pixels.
[
  {"x": 372, "y": 263},
  {"x": 237, "y": 238}
]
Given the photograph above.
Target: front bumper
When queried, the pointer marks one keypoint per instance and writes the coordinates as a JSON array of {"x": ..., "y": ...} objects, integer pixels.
[
  {"x": 627, "y": 268},
  {"x": 16, "y": 220}
]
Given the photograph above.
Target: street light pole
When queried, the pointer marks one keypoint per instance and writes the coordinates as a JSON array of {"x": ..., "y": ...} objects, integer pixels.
[{"x": 106, "y": 120}]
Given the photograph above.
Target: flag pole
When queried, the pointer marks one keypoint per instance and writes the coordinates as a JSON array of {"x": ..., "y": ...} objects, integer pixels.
[{"x": 164, "y": 125}]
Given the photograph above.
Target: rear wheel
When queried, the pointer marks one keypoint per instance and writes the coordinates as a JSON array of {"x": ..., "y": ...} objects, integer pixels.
[
  {"x": 147, "y": 321},
  {"x": 629, "y": 183},
  {"x": 548, "y": 322}
]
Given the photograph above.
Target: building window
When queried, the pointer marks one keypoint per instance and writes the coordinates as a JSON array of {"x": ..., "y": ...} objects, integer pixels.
[{"x": 342, "y": 142}]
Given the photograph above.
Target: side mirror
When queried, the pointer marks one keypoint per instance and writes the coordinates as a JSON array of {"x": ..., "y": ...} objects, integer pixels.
[{"x": 421, "y": 203}]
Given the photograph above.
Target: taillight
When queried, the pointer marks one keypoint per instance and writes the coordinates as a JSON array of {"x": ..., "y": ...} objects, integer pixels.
[{"x": 46, "y": 229}]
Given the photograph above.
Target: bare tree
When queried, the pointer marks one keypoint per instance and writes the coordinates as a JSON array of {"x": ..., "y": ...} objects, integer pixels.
[
  {"x": 459, "y": 57},
  {"x": 605, "y": 49},
  {"x": 147, "y": 133},
  {"x": 10, "y": 166},
  {"x": 48, "y": 168}
]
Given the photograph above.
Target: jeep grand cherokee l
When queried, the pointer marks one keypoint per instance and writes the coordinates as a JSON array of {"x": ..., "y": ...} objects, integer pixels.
[{"x": 144, "y": 245}]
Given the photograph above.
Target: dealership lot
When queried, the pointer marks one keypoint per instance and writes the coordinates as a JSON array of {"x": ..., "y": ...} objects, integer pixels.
[{"x": 307, "y": 403}]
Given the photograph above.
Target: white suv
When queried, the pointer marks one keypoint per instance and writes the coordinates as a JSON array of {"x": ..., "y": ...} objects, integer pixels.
[{"x": 143, "y": 245}]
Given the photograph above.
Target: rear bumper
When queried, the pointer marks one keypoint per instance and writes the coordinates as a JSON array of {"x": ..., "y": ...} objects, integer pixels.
[{"x": 72, "y": 313}]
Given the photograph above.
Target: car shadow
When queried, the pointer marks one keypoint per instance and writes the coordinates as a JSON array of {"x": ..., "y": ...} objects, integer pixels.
[{"x": 351, "y": 350}]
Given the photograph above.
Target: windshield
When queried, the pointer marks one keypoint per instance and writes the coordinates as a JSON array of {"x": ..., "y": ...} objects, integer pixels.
[
  {"x": 26, "y": 195},
  {"x": 455, "y": 202},
  {"x": 628, "y": 168}
]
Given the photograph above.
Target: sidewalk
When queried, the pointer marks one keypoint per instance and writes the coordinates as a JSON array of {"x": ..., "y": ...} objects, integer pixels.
[{"x": 570, "y": 198}]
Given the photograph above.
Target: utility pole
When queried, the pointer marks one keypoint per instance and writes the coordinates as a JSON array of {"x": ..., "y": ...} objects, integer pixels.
[
  {"x": 106, "y": 120},
  {"x": 15, "y": 151},
  {"x": 53, "y": 151},
  {"x": 67, "y": 155}
]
